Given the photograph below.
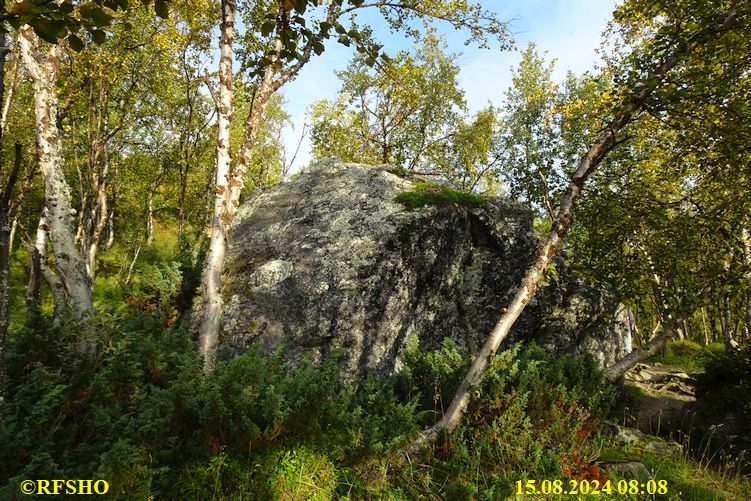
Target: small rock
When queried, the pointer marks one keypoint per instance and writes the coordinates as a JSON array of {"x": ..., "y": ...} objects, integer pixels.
[
  {"x": 626, "y": 435},
  {"x": 663, "y": 447},
  {"x": 628, "y": 469},
  {"x": 622, "y": 434}
]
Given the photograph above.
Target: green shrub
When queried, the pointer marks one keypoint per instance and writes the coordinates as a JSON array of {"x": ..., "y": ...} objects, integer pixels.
[
  {"x": 727, "y": 380},
  {"x": 436, "y": 194},
  {"x": 432, "y": 377},
  {"x": 125, "y": 413},
  {"x": 712, "y": 350},
  {"x": 156, "y": 286},
  {"x": 532, "y": 413},
  {"x": 683, "y": 347},
  {"x": 725, "y": 386},
  {"x": 685, "y": 354},
  {"x": 141, "y": 414}
]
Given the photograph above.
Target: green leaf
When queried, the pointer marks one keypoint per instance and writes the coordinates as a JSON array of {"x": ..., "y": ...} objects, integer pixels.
[
  {"x": 96, "y": 14},
  {"x": 344, "y": 41},
  {"x": 49, "y": 31},
  {"x": 340, "y": 29},
  {"x": 300, "y": 6},
  {"x": 66, "y": 7},
  {"x": 318, "y": 48},
  {"x": 267, "y": 28},
  {"x": 14, "y": 21},
  {"x": 98, "y": 36},
  {"x": 160, "y": 7},
  {"x": 75, "y": 42},
  {"x": 123, "y": 4},
  {"x": 354, "y": 34}
]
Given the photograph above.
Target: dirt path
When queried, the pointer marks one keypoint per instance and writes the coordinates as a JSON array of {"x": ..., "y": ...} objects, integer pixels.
[{"x": 666, "y": 402}]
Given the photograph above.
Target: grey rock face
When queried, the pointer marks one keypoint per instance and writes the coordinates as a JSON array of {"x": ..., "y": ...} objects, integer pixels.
[{"x": 330, "y": 262}]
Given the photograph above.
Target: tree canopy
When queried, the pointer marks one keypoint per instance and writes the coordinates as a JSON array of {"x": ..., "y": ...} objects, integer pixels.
[{"x": 131, "y": 131}]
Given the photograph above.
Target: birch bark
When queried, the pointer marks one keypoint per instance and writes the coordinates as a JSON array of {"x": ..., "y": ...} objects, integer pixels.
[
  {"x": 229, "y": 183},
  {"x": 71, "y": 266},
  {"x": 214, "y": 265}
]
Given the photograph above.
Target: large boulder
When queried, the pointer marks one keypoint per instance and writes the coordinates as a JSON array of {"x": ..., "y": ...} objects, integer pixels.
[{"x": 330, "y": 261}]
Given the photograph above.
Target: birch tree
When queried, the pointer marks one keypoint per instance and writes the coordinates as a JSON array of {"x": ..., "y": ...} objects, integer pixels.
[
  {"x": 282, "y": 37},
  {"x": 668, "y": 53},
  {"x": 400, "y": 113},
  {"x": 43, "y": 63},
  {"x": 528, "y": 137}
]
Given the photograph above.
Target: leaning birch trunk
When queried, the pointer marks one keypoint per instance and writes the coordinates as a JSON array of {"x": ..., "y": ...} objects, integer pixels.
[
  {"x": 659, "y": 339},
  {"x": 70, "y": 265},
  {"x": 613, "y": 373},
  {"x": 531, "y": 280},
  {"x": 561, "y": 226},
  {"x": 211, "y": 297}
]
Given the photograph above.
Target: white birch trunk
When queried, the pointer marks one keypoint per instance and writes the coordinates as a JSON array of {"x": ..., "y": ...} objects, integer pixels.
[
  {"x": 149, "y": 218},
  {"x": 214, "y": 266},
  {"x": 71, "y": 266},
  {"x": 229, "y": 185},
  {"x": 101, "y": 215}
]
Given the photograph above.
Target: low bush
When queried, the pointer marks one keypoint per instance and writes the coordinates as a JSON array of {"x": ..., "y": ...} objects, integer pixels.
[
  {"x": 727, "y": 381},
  {"x": 683, "y": 347},
  {"x": 712, "y": 350},
  {"x": 138, "y": 412},
  {"x": 436, "y": 194},
  {"x": 685, "y": 354}
]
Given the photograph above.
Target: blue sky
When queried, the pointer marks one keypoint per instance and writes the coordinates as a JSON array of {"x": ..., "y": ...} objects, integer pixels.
[{"x": 568, "y": 30}]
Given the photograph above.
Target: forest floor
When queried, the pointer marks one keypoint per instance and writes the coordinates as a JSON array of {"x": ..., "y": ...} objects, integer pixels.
[
  {"x": 666, "y": 394},
  {"x": 659, "y": 399}
]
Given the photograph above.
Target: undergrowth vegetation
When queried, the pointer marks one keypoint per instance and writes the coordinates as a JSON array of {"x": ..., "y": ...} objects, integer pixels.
[
  {"x": 125, "y": 399},
  {"x": 132, "y": 406},
  {"x": 726, "y": 388},
  {"x": 688, "y": 354}
]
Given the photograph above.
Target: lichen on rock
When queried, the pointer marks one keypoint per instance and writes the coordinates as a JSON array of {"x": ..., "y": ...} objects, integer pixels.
[{"x": 331, "y": 262}]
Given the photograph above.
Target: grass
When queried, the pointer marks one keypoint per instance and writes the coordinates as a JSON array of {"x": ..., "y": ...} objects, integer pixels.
[
  {"x": 437, "y": 195},
  {"x": 687, "y": 355},
  {"x": 688, "y": 479}
]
